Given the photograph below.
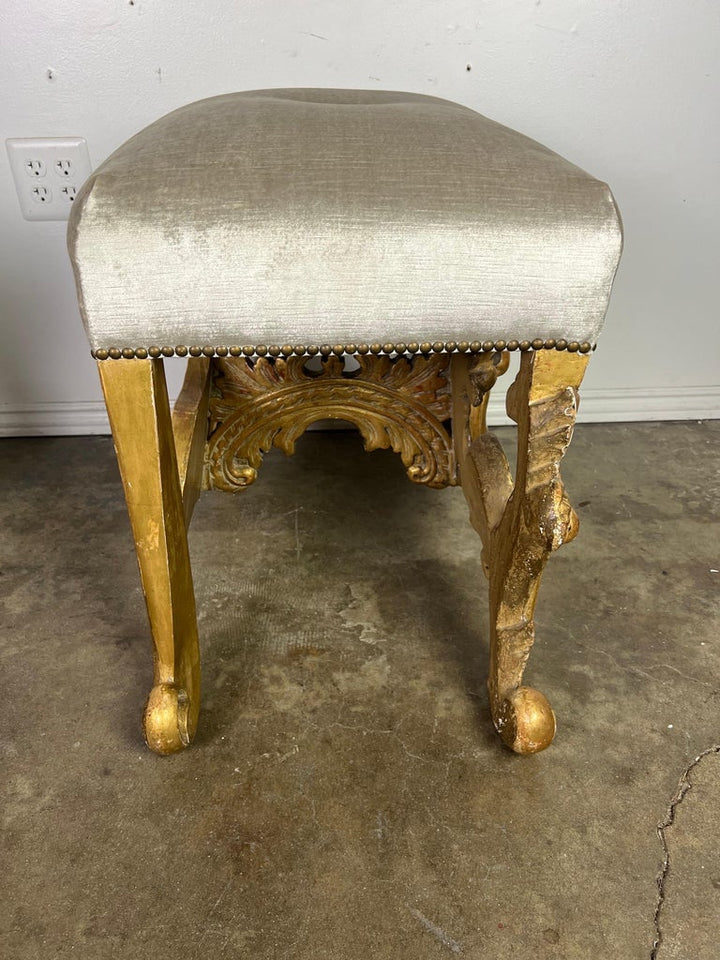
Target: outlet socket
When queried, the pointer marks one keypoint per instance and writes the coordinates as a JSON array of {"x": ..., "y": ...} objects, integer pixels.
[
  {"x": 48, "y": 174},
  {"x": 35, "y": 168}
]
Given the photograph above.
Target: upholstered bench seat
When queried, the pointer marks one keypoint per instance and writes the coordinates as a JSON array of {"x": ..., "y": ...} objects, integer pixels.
[
  {"x": 343, "y": 216},
  {"x": 250, "y": 231}
]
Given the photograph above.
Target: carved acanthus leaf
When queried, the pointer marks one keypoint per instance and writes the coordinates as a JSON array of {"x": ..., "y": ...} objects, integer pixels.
[{"x": 395, "y": 403}]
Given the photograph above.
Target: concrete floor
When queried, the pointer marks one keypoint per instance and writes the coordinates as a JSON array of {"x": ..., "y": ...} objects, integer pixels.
[{"x": 346, "y": 797}]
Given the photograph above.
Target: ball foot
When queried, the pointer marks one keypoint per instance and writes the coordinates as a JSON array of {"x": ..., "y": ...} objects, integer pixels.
[
  {"x": 525, "y": 721},
  {"x": 166, "y": 719}
]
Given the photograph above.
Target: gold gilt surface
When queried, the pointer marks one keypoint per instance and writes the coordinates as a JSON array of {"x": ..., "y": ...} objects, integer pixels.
[
  {"x": 236, "y": 409},
  {"x": 398, "y": 403},
  {"x": 520, "y": 521}
]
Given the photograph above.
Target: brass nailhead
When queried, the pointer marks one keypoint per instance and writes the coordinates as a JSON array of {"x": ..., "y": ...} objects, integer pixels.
[{"x": 573, "y": 346}]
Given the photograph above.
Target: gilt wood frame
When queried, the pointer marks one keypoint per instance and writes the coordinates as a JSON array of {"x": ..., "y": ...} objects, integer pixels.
[{"x": 428, "y": 409}]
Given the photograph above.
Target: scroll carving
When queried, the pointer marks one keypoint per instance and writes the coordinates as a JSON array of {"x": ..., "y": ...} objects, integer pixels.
[
  {"x": 520, "y": 522},
  {"x": 400, "y": 403}
]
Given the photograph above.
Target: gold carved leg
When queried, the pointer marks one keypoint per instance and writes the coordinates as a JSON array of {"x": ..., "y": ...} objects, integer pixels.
[
  {"x": 520, "y": 523},
  {"x": 137, "y": 403}
]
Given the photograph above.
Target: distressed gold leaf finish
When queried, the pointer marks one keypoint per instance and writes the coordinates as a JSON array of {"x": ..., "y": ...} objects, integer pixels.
[
  {"x": 520, "y": 522},
  {"x": 232, "y": 410},
  {"x": 146, "y": 447},
  {"x": 398, "y": 403}
]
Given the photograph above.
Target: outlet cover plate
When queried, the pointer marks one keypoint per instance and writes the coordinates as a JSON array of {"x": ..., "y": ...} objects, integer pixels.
[{"x": 48, "y": 173}]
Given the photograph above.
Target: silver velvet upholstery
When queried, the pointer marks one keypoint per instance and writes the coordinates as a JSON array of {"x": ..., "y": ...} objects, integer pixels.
[{"x": 339, "y": 216}]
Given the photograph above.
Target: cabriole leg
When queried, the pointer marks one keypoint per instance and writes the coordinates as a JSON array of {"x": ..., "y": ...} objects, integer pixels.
[
  {"x": 139, "y": 412},
  {"x": 520, "y": 523}
]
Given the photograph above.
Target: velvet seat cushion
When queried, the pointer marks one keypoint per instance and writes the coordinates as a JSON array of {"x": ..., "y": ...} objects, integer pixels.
[{"x": 322, "y": 216}]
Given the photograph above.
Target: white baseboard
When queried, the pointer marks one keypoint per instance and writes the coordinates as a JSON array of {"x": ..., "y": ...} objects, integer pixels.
[
  {"x": 63, "y": 418},
  {"x": 618, "y": 405},
  {"x": 634, "y": 404}
]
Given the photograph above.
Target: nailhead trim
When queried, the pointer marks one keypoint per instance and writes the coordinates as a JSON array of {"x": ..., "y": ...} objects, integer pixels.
[{"x": 288, "y": 350}]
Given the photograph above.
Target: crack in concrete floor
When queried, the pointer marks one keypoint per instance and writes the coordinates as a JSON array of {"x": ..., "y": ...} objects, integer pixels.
[{"x": 683, "y": 788}]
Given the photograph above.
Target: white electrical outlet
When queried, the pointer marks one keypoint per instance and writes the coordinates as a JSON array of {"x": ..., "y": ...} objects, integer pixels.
[{"x": 48, "y": 173}]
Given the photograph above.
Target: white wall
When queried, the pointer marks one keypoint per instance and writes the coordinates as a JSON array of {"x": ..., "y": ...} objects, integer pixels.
[{"x": 627, "y": 89}]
